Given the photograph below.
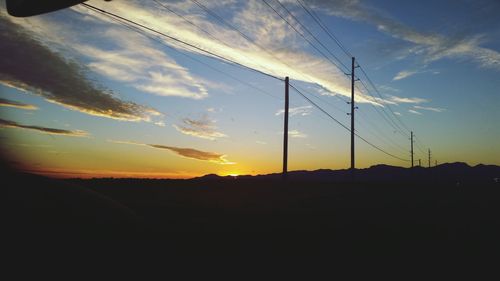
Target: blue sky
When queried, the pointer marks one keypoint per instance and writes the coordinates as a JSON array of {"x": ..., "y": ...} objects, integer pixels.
[{"x": 129, "y": 105}]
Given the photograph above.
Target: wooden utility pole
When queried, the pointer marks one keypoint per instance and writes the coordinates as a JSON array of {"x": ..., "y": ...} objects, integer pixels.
[
  {"x": 429, "y": 157},
  {"x": 411, "y": 140},
  {"x": 285, "y": 132},
  {"x": 352, "y": 113}
]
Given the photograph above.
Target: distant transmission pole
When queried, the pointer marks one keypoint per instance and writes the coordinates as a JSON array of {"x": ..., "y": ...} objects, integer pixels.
[
  {"x": 285, "y": 132},
  {"x": 353, "y": 107},
  {"x": 419, "y": 163},
  {"x": 429, "y": 157},
  {"x": 411, "y": 140}
]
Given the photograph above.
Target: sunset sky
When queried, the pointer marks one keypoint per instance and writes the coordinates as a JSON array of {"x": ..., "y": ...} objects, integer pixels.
[{"x": 84, "y": 96}]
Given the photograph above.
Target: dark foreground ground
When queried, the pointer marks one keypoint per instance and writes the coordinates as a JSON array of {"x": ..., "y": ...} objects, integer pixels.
[{"x": 245, "y": 216}]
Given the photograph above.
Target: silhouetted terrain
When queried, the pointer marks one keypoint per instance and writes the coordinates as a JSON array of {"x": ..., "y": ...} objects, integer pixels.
[{"x": 449, "y": 209}]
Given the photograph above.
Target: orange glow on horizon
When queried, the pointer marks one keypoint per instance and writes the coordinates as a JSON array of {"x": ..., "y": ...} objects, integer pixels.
[{"x": 88, "y": 174}]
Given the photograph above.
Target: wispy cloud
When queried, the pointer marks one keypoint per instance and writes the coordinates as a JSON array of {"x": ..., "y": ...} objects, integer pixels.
[
  {"x": 278, "y": 50},
  {"x": 196, "y": 154},
  {"x": 51, "y": 131},
  {"x": 190, "y": 153},
  {"x": 397, "y": 99},
  {"x": 429, "y": 45},
  {"x": 435, "y": 109},
  {"x": 414, "y": 112},
  {"x": 301, "y": 110},
  {"x": 404, "y": 74},
  {"x": 149, "y": 70},
  {"x": 124, "y": 142},
  {"x": 296, "y": 134},
  {"x": 203, "y": 128},
  {"x": 397, "y": 113},
  {"x": 261, "y": 142},
  {"x": 386, "y": 88},
  {"x": 16, "y": 104},
  {"x": 23, "y": 65},
  {"x": 407, "y": 73}
]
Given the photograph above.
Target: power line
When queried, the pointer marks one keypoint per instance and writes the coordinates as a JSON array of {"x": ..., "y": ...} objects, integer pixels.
[
  {"x": 418, "y": 142},
  {"x": 382, "y": 112},
  {"x": 246, "y": 37},
  {"x": 371, "y": 132},
  {"x": 312, "y": 35},
  {"x": 324, "y": 101},
  {"x": 371, "y": 125},
  {"x": 325, "y": 28},
  {"x": 180, "y": 41},
  {"x": 195, "y": 25},
  {"x": 319, "y": 108},
  {"x": 377, "y": 91},
  {"x": 242, "y": 34},
  {"x": 339, "y": 43},
  {"x": 344, "y": 126},
  {"x": 386, "y": 117},
  {"x": 301, "y": 34},
  {"x": 387, "y": 141},
  {"x": 134, "y": 25},
  {"x": 140, "y": 31}
]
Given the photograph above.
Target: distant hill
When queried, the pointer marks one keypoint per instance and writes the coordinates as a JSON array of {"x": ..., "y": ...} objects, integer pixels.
[{"x": 447, "y": 172}]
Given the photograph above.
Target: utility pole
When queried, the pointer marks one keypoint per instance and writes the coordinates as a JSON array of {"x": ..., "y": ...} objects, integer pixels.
[
  {"x": 435, "y": 162},
  {"x": 285, "y": 132},
  {"x": 411, "y": 139},
  {"x": 429, "y": 157},
  {"x": 352, "y": 112},
  {"x": 419, "y": 163}
]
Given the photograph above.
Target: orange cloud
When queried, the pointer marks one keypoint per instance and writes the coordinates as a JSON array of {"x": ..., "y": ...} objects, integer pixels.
[
  {"x": 15, "y": 104},
  {"x": 196, "y": 154},
  {"x": 45, "y": 130}
]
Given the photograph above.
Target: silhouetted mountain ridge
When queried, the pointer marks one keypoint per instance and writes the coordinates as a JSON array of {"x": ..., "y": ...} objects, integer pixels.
[{"x": 446, "y": 172}]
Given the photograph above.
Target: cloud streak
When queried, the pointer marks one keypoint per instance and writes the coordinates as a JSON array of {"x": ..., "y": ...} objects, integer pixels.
[
  {"x": 203, "y": 128},
  {"x": 300, "y": 110},
  {"x": 196, "y": 154},
  {"x": 16, "y": 104},
  {"x": 435, "y": 109},
  {"x": 432, "y": 46},
  {"x": 277, "y": 49},
  {"x": 397, "y": 99},
  {"x": 149, "y": 70},
  {"x": 404, "y": 74},
  {"x": 189, "y": 153},
  {"x": 296, "y": 134},
  {"x": 23, "y": 65},
  {"x": 51, "y": 131}
]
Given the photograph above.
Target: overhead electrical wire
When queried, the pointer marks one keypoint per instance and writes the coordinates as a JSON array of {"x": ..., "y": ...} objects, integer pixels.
[
  {"x": 380, "y": 95},
  {"x": 373, "y": 126},
  {"x": 344, "y": 126},
  {"x": 302, "y": 35},
  {"x": 318, "y": 21},
  {"x": 180, "y": 41},
  {"x": 386, "y": 117},
  {"x": 312, "y": 35},
  {"x": 242, "y": 34},
  {"x": 325, "y": 28},
  {"x": 164, "y": 6},
  {"x": 140, "y": 28},
  {"x": 152, "y": 37}
]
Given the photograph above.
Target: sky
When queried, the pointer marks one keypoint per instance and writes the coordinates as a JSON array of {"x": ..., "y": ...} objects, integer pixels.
[{"x": 84, "y": 95}]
